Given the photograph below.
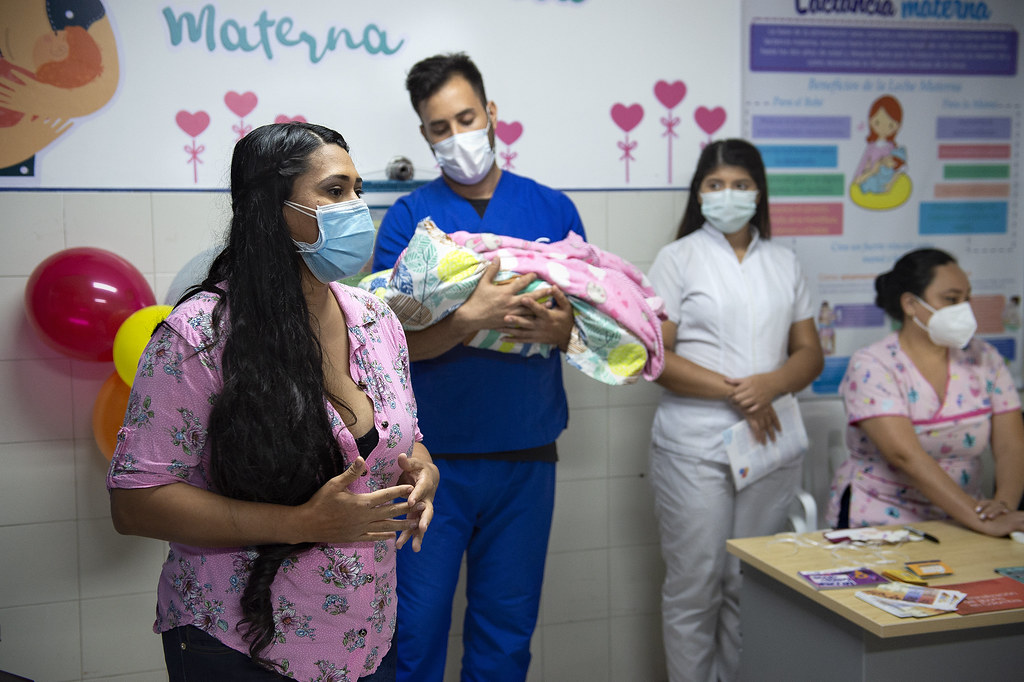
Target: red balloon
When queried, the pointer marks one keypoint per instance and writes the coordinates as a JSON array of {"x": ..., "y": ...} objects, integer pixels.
[{"x": 77, "y": 299}]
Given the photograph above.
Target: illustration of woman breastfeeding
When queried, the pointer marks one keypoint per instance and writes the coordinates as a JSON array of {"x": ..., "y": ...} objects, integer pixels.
[
  {"x": 880, "y": 181},
  {"x": 58, "y": 61}
]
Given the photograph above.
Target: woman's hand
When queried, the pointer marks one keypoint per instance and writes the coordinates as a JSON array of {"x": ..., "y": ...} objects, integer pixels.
[
  {"x": 1003, "y": 524},
  {"x": 764, "y": 423},
  {"x": 420, "y": 472},
  {"x": 753, "y": 393},
  {"x": 336, "y": 516},
  {"x": 990, "y": 509}
]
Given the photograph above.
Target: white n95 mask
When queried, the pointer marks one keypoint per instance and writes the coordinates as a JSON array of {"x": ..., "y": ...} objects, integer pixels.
[{"x": 952, "y": 326}]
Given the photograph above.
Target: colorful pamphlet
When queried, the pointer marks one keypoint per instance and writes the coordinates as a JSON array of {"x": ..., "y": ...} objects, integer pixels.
[
  {"x": 997, "y": 594},
  {"x": 750, "y": 460},
  {"x": 904, "y": 576},
  {"x": 850, "y": 576},
  {"x": 933, "y": 568},
  {"x": 1015, "y": 572},
  {"x": 903, "y": 600}
]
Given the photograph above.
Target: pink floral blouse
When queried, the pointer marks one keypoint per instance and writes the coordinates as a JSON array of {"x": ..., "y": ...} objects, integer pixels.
[
  {"x": 882, "y": 381},
  {"x": 334, "y": 610}
]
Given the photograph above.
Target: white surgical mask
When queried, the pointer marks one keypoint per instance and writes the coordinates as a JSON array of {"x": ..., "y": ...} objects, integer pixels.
[
  {"x": 345, "y": 242},
  {"x": 466, "y": 157},
  {"x": 729, "y": 210},
  {"x": 952, "y": 326}
]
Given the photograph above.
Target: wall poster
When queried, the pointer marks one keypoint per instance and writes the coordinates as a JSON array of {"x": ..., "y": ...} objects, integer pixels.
[
  {"x": 121, "y": 94},
  {"x": 888, "y": 125}
]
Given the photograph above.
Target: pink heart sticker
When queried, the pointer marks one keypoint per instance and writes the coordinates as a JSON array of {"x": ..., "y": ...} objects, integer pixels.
[
  {"x": 241, "y": 104},
  {"x": 281, "y": 118},
  {"x": 709, "y": 120},
  {"x": 629, "y": 117},
  {"x": 192, "y": 124},
  {"x": 508, "y": 132},
  {"x": 670, "y": 94}
]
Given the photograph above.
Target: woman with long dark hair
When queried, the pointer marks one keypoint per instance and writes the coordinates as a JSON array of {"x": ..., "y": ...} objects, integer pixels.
[
  {"x": 740, "y": 334},
  {"x": 271, "y": 435},
  {"x": 923, "y": 404}
]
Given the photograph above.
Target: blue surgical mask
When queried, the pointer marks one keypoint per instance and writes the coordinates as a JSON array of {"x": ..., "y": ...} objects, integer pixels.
[
  {"x": 345, "y": 242},
  {"x": 728, "y": 210}
]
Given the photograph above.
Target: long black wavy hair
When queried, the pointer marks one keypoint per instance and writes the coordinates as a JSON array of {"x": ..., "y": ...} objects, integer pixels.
[
  {"x": 270, "y": 435},
  {"x": 731, "y": 152}
]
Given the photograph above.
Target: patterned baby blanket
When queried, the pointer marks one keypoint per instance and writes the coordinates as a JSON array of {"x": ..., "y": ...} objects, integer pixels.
[{"x": 616, "y": 335}]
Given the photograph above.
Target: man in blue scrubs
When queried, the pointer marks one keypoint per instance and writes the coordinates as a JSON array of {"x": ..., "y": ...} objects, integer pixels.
[{"x": 490, "y": 419}]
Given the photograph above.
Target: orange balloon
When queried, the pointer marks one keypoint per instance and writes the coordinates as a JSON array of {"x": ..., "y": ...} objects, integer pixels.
[{"x": 108, "y": 413}]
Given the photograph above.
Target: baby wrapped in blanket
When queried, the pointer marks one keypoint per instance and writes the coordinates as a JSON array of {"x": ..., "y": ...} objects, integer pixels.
[{"x": 617, "y": 317}]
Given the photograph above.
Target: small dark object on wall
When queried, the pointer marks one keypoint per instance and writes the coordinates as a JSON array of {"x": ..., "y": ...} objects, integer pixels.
[{"x": 399, "y": 168}]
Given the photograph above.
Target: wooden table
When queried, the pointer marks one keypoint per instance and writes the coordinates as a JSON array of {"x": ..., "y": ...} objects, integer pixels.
[{"x": 793, "y": 632}]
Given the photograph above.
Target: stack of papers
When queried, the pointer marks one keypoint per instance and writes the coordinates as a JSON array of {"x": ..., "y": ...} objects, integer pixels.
[{"x": 905, "y": 601}]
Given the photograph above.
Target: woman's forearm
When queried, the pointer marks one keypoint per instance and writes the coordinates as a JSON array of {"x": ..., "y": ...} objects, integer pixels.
[
  {"x": 897, "y": 441},
  {"x": 1008, "y": 457},
  {"x": 189, "y": 515},
  {"x": 799, "y": 370},
  {"x": 805, "y": 360},
  {"x": 687, "y": 378}
]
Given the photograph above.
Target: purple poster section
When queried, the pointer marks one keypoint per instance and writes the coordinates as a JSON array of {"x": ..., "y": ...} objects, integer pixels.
[{"x": 857, "y": 49}]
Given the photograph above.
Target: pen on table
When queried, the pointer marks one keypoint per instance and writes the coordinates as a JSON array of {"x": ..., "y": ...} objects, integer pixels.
[{"x": 921, "y": 533}]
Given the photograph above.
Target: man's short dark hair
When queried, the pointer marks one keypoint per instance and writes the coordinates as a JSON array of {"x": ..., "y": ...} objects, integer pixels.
[{"x": 428, "y": 76}]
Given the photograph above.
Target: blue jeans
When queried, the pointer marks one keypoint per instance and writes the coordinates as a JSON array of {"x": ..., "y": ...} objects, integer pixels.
[
  {"x": 191, "y": 655},
  {"x": 497, "y": 513}
]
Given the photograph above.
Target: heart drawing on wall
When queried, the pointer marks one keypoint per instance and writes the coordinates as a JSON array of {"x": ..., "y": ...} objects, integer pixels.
[
  {"x": 192, "y": 124},
  {"x": 508, "y": 132},
  {"x": 241, "y": 104},
  {"x": 709, "y": 120},
  {"x": 670, "y": 94},
  {"x": 629, "y": 117}
]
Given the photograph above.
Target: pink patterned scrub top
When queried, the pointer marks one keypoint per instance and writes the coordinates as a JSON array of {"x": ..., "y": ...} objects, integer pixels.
[
  {"x": 882, "y": 381},
  {"x": 334, "y": 605}
]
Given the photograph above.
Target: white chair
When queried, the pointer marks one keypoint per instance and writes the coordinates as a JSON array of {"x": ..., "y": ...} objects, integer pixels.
[{"x": 803, "y": 512}]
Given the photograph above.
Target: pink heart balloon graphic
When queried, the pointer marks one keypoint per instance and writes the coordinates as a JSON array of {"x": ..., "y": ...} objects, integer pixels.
[
  {"x": 709, "y": 120},
  {"x": 627, "y": 118},
  {"x": 281, "y": 118},
  {"x": 241, "y": 104},
  {"x": 670, "y": 94},
  {"x": 192, "y": 124},
  {"x": 508, "y": 132}
]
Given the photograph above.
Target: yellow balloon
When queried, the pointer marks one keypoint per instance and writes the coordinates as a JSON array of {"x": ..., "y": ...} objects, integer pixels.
[{"x": 132, "y": 337}]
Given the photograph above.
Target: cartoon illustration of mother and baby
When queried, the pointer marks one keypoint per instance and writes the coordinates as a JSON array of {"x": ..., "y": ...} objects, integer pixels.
[
  {"x": 58, "y": 61},
  {"x": 880, "y": 181}
]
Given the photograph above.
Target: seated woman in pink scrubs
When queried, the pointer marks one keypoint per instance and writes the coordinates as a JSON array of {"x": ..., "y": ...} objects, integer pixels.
[{"x": 922, "y": 404}]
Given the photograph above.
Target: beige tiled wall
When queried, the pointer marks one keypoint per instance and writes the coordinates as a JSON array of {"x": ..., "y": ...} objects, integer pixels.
[{"x": 77, "y": 600}]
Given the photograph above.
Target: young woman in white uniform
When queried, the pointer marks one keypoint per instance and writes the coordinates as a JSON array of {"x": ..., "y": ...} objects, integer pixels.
[{"x": 740, "y": 333}]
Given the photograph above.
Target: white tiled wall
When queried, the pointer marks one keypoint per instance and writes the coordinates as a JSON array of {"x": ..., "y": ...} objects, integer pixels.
[{"x": 77, "y": 600}]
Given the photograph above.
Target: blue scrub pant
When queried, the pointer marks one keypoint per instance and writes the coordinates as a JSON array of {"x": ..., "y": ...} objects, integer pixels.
[{"x": 499, "y": 514}]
